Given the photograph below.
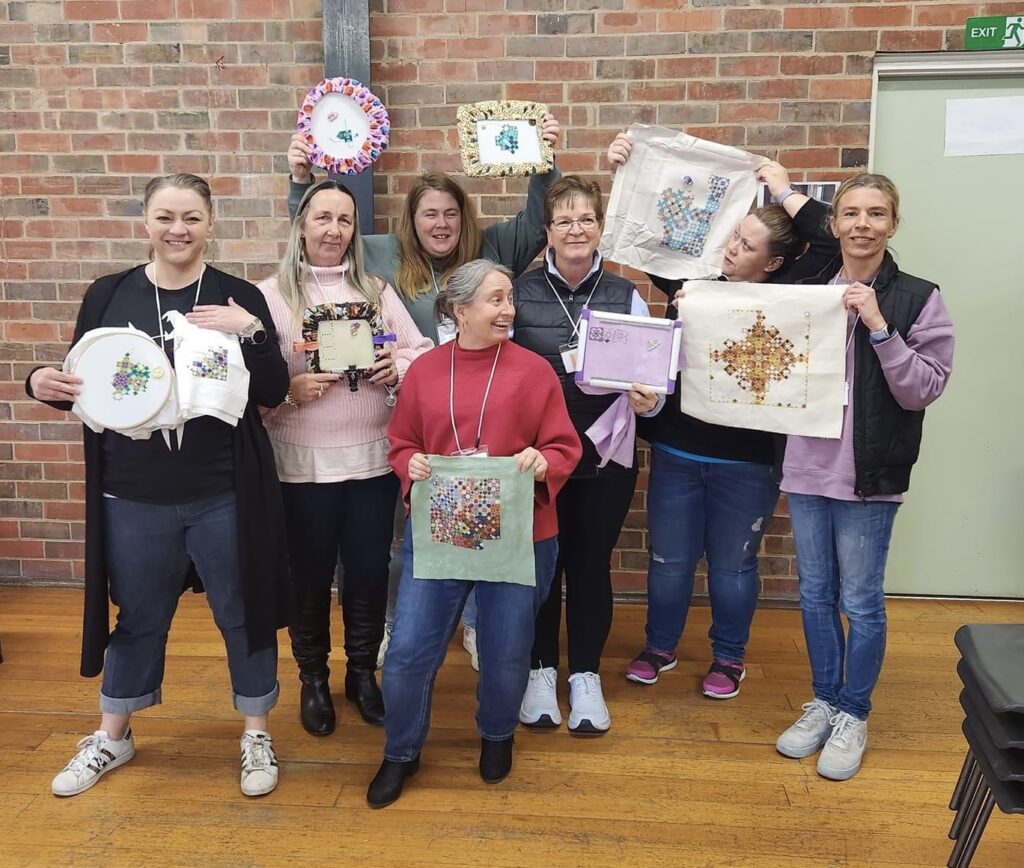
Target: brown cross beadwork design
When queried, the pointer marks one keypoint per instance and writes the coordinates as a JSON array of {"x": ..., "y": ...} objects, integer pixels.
[{"x": 761, "y": 358}]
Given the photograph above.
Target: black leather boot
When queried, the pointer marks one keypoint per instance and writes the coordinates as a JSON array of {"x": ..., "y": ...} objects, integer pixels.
[
  {"x": 386, "y": 787},
  {"x": 363, "y": 613},
  {"x": 310, "y": 631},
  {"x": 495, "y": 759}
]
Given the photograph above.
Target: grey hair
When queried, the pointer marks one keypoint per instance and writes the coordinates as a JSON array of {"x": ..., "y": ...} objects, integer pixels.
[{"x": 462, "y": 285}]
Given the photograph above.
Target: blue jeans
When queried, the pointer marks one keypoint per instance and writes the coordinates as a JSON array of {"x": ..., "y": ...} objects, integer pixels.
[
  {"x": 425, "y": 620},
  {"x": 469, "y": 611},
  {"x": 395, "y": 576},
  {"x": 149, "y": 547},
  {"x": 841, "y": 547},
  {"x": 718, "y": 510}
]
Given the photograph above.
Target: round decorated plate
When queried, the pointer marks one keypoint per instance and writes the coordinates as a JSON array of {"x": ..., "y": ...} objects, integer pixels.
[
  {"x": 127, "y": 379},
  {"x": 346, "y": 125}
]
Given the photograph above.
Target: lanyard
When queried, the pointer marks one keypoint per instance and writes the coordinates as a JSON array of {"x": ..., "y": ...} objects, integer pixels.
[
  {"x": 483, "y": 404},
  {"x": 319, "y": 285},
  {"x": 856, "y": 319},
  {"x": 575, "y": 324},
  {"x": 159, "y": 311}
]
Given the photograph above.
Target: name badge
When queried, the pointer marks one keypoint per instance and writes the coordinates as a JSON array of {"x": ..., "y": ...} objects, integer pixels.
[
  {"x": 472, "y": 452},
  {"x": 446, "y": 331},
  {"x": 569, "y": 353}
]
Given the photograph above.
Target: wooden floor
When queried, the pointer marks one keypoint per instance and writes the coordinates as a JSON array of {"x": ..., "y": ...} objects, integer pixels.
[{"x": 679, "y": 780}]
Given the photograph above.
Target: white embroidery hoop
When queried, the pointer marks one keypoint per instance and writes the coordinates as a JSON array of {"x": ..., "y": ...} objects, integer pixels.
[{"x": 96, "y": 360}]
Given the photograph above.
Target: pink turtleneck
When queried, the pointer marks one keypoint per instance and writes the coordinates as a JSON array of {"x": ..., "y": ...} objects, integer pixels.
[{"x": 340, "y": 436}]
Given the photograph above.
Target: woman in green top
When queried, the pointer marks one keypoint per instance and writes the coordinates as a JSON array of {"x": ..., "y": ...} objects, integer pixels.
[{"x": 438, "y": 232}]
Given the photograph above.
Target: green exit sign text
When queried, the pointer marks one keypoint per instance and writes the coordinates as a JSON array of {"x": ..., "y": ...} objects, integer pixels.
[{"x": 993, "y": 32}]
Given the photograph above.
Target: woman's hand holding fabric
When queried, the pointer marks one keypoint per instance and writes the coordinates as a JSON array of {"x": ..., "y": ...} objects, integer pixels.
[{"x": 532, "y": 458}]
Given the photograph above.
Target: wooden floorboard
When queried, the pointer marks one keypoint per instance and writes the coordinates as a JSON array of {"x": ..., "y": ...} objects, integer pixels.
[{"x": 679, "y": 781}]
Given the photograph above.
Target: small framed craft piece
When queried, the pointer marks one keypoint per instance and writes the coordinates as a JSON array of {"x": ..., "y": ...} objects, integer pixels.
[
  {"x": 472, "y": 519},
  {"x": 617, "y": 350},
  {"x": 503, "y": 138},
  {"x": 126, "y": 378},
  {"x": 345, "y": 123},
  {"x": 343, "y": 339}
]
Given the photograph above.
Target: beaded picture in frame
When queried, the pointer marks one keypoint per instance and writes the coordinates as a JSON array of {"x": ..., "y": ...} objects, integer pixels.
[{"x": 503, "y": 139}]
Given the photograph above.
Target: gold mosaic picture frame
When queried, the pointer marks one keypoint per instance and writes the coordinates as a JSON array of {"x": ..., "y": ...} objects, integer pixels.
[{"x": 503, "y": 139}]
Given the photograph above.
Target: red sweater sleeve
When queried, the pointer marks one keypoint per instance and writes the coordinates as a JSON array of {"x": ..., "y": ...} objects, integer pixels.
[
  {"x": 556, "y": 438},
  {"x": 405, "y": 430}
]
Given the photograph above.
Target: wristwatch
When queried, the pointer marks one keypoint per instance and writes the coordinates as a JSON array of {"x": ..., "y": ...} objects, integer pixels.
[
  {"x": 254, "y": 333},
  {"x": 883, "y": 334}
]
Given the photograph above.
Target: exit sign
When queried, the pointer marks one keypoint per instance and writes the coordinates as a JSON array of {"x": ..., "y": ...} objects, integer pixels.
[{"x": 993, "y": 32}]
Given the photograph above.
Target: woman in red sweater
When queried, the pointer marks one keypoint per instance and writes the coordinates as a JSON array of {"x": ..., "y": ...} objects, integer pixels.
[{"x": 508, "y": 402}]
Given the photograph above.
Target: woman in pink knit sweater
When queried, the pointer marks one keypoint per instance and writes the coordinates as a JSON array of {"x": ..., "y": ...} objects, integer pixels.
[{"x": 331, "y": 452}]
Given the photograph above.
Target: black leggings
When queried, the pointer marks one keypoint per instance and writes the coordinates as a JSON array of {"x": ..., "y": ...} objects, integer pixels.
[
  {"x": 590, "y": 516},
  {"x": 353, "y": 519}
]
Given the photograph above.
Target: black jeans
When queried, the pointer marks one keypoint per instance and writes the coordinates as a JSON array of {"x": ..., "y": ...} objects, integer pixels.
[
  {"x": 590, "y": 516},
  {"x": 352, "y": 520}
]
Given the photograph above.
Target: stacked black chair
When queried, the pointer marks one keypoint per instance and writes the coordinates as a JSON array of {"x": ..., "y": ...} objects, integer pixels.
[{"x": 992, "y": 671}]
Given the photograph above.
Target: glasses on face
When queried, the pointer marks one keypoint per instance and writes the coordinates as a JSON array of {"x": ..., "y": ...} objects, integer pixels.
[{"x": 564, "y": 224}]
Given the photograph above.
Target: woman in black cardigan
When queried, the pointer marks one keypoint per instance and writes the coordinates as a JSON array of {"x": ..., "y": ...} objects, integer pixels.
[{"x": 159, "y": 512}]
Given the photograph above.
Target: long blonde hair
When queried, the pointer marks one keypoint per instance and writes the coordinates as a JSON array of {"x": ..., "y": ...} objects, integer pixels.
[
  {"x": 415, "y": 276},
  {"x": 293, "y": 272}
]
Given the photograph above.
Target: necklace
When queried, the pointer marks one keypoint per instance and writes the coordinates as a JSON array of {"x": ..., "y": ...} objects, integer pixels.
[
  {"x": 483, "y": 404},
  {"x": 159, "y": 310}
]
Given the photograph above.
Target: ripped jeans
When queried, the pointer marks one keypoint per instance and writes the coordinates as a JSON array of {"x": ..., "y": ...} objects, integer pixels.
[
  {"x": 841, "y": 549},
  {"x": 716, "y": 509}
]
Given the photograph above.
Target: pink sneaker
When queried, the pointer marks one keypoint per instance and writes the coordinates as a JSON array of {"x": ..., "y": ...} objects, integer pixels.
[
  {"x": 723, "y": 680},
  {"x": 648, "y": 663}
]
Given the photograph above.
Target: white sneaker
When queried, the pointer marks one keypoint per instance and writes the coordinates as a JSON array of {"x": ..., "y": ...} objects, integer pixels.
[
  {"x": 588, "y": 713},
  {"x": 469, "y": 643},
  {"x": 97, "y": 754},
  {"x": 809, "y": 733},
  {"x": 384, "y": 645},
  {"x": 540, "y": 702},
  {"x": 840, "y": 759},
  {"x": 259, "y": 763}
]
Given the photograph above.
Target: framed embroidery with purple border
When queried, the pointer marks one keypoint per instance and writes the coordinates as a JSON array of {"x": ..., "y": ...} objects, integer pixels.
[
  {"x": 345, "y": 123},
  {"x": 617, "y": 350},
  {"x": 503, "y": 138}
]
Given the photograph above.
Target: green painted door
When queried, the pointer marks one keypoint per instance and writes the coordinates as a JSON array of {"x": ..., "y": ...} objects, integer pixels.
[{"x": 960, "y": 531}]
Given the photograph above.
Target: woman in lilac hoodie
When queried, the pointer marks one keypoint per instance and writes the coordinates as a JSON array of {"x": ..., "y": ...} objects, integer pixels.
[{"x": 843, "y": 494}]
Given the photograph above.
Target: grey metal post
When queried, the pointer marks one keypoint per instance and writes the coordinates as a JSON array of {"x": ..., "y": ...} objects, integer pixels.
[{"x": 347, "y": 53}]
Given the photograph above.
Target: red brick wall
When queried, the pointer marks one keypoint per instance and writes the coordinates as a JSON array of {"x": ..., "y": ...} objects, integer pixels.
[{"x": 96, "y": 96}]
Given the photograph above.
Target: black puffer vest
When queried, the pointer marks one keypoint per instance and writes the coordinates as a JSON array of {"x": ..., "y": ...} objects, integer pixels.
[
  {"x": 886, "y": 438},
  {"x": 541, "y": 326}
]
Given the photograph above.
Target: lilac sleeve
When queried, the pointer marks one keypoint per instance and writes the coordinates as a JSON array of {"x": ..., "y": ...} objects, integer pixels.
[{"x": 917, "y": 368}]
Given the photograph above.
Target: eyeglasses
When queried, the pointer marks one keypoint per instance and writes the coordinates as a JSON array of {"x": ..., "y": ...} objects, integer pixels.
[{"x": 563, "y": 224}]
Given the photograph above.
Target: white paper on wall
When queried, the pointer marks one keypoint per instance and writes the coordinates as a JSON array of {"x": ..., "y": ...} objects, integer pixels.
[
  {"x": 984, "y": 127},
  {"x": 764, "y": 356},
  {"x": 676, "y": 202}
]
